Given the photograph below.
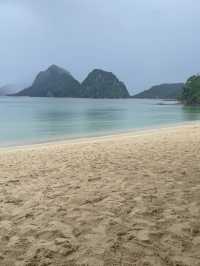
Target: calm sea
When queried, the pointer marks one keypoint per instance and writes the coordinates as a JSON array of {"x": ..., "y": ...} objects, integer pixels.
[{"x": 29, "y": 120}]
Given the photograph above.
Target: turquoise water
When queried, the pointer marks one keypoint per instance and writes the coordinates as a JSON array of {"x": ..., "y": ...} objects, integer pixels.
[{"x": 28, "y": 120}]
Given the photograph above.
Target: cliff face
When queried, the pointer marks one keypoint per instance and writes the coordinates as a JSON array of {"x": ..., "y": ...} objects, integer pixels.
[
  {"x": 163, "y": 91},
  {"x": 103, "y": 84},
  {"x": 53, "y": 82}
]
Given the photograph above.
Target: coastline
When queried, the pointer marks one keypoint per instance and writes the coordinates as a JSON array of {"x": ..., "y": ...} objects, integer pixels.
[
  {"x": 114, "y": 200},
  {"x": 104, "y": 136}
]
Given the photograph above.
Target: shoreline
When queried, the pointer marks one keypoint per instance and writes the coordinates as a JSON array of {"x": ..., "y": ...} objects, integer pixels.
[{"x": 75, "y": 140}]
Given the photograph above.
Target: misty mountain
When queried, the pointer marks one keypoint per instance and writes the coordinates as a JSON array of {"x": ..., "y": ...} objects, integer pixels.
[
  {"x": 53, "y": 82},
  {"x": 164, "y": 91},
  {"x": 57, "y": 82},
  {"x": 8, "y": 89},
  {"x": 103, "y": 84}
]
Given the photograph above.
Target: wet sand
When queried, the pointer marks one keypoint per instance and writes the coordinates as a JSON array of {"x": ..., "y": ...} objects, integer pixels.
[{"x": 128, "y": 199}]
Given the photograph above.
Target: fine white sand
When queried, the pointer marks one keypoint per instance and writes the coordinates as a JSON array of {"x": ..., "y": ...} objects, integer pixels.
[{"x": 128, "y": 199}]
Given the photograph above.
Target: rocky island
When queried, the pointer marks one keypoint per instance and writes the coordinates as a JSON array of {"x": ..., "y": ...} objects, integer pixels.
[
  {"x": 166, "y": 91},
  {"x": 58, "y": 82},
  {"x": 53, "y": 82},
  {"x": 103, "y": 84}
]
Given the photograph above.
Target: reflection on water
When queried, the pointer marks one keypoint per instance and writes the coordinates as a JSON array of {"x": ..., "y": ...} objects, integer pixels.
[
  {"x": 191, "y": 113},
  {"x": 55, "y": 116},
  {"x": 55, "y": 121},
  {"x": 102, "y": 119},
  {"x": 41, "y": 119}
]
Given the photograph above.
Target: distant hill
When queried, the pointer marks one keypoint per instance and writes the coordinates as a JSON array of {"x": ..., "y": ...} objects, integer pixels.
[
  {"x": 103, "y": 84},
  {"x": 53, "y": 82},
  {"x": 191, "y": 91},
  {"x": 164, "y": 91},
  {"x": 8, "y": 89}
]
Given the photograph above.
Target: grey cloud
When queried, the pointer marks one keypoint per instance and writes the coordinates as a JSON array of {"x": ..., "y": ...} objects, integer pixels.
[{"x": 143, "y": 42}]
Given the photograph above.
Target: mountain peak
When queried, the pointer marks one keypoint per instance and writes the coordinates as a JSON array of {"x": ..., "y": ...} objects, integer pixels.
[
  {"x": 97, "y": 71},
  {"x": 53, "y": 82},
  {"x": 103, "y": 84},
  {"x": 57, "y": 69},
  {"x": 57, "y": 82}
]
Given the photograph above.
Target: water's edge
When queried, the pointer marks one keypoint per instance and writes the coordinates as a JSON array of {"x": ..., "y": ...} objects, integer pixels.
[
  {"x": 37, "y": 121},
  {"x": 94, "y": 137}
]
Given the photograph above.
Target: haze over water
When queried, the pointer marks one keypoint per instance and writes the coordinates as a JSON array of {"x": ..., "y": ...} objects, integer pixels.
[{"x": 28, "y": 120}]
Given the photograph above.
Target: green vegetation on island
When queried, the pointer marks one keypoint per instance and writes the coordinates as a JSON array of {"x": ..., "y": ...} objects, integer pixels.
[
  {"x": 103, "y": 84},
  {"x": 57, "y": 82},
  {"x": 191, "y": 91},
  {"x": 54, "y": 82},
  {"x": 171, "y": 91}
]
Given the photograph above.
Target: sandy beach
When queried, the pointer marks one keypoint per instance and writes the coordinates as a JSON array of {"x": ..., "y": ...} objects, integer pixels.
[{"x": 128, "y": 199}]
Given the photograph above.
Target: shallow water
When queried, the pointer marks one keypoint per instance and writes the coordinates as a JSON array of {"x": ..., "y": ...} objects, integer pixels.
[{"x": 28, "y": 120}]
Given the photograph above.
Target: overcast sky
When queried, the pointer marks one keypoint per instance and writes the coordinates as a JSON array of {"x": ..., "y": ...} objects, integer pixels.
[{"x": 144, "y": 42}]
